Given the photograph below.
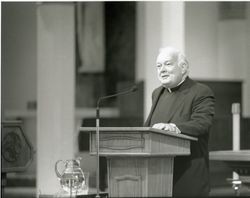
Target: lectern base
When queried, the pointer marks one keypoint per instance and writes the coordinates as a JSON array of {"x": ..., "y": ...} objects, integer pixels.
[{"x": 140, "y": 177}]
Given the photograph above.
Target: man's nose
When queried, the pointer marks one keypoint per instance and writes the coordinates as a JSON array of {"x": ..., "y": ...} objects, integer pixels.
[{"x": 164, "y": 69}]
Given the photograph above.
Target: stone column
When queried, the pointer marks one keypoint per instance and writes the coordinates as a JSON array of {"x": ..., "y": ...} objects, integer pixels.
[{"x": 55, "y": 91}]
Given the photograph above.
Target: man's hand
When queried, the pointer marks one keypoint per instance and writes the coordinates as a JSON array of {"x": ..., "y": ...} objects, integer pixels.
[{"x": 167, "y": 127}]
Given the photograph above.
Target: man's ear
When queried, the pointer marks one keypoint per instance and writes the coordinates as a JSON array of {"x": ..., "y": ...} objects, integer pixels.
[{"x": 183, "y": 68}]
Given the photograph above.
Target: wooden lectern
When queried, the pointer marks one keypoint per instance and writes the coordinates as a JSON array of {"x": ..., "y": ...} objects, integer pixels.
[{"x": 139, "y": 159}]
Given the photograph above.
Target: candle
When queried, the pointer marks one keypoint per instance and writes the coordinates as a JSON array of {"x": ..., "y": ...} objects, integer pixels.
[
  {"x": 236, "y": 126},
  {"x": 236, "y": 131}
]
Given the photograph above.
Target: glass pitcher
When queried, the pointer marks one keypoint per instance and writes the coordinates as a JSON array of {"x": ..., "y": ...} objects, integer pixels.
[{"x": 71, "y": 178}]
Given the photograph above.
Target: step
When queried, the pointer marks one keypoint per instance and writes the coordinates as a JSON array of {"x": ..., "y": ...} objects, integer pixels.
[
  {"x": 227, "y": 191},
  {"x": 19, "y": 192},
  {"x": 20, "y": 180}
]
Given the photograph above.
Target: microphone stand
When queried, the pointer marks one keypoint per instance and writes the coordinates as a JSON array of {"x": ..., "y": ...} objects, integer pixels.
[
  {"x": 134, "y": 88},
  {"x": 97, "y": 149}
]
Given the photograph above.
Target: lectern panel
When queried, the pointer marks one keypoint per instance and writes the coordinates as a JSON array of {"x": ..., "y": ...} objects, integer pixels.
[
  {"x": 160, "y": 175},
  {"x": 123, "y": 183},
  {"x": 140, "y": 177},
  {"x": 139, "y": 143},
  {"x": 169, "y": 145},
  {"x": 127, "y": 177},
  {"x": 122, "y": 143}
]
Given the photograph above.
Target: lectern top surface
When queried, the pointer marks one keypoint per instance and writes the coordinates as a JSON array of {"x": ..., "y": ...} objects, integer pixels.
[{"x": 136, "y": 129}]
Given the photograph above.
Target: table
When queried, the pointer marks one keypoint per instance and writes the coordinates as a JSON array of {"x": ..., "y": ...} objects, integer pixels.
[{"x": 239, "y": 162}]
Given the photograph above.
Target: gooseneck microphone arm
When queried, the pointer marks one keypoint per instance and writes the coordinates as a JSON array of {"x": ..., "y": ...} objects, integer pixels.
[
  {"x": 97, "y": 150},
  {"x": 133, "y": 89}
]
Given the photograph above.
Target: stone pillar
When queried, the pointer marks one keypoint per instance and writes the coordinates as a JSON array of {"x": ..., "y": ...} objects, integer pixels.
[
  {"x": 246, "y": 83},
  {"x": 159, "y": 24},
  {"x": 55, "y": 91}
]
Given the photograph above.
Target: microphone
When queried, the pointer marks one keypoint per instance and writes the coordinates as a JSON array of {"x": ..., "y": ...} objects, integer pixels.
[{"x": 132, "y": 89}]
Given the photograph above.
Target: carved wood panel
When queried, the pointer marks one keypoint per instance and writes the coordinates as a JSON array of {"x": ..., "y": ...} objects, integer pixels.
[
  {"x": 131, "y": 182},
  {"x": 126, "y": 177},
  {"x": 140, "y": 177}
]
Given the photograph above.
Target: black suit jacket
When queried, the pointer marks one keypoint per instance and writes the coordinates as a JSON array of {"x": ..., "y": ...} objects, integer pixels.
[{"x": 192, "y": 112}]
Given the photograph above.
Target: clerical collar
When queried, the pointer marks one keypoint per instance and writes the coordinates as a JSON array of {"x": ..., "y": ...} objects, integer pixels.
[{"x": 170, "y": 90}]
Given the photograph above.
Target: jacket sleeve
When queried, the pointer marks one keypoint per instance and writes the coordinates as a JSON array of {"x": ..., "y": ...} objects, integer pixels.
[{"x": 202, "y": 113}]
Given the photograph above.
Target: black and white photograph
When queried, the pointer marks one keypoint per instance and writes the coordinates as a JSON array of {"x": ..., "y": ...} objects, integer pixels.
[{"x": 132, "y": 98}]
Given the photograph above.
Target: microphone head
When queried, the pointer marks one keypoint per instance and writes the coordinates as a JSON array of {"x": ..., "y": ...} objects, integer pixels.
[{"x": 134, "y": 88}]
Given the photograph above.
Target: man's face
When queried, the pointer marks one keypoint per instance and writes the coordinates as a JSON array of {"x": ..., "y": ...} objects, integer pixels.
[{"x": 169, "y": 73}]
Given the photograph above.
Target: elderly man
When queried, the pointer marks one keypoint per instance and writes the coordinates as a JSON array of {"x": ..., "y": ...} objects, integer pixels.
[{"x": 184, "y": 106}]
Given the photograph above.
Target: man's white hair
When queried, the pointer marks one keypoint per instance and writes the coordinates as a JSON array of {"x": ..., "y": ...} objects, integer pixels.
[{"x": 180, "y": 56}]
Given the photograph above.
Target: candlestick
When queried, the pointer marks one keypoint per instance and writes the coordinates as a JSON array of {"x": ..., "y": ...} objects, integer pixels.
[{"x": 236, "y": 131}]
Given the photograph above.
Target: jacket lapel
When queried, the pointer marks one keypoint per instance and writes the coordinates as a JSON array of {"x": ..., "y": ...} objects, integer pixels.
[
  {"x": 156, "y": 97},
  {"x": 180, "y": 96}
]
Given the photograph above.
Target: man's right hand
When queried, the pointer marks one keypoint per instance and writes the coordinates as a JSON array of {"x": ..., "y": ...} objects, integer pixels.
[{"x": 167, "y": 127}]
